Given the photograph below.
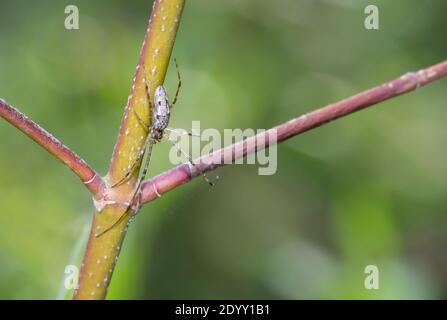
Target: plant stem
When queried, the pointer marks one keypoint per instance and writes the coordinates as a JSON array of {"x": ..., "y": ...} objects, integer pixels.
[
  {"x": 183, "y": 173},
  {"x": 88, "y": 176},
  {"x": 102, "y": 251}
]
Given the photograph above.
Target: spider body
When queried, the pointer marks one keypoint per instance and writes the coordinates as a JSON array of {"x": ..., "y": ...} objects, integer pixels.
[
  {"x": 160, "y": 110},
  {"x": 160, "y": 113}
]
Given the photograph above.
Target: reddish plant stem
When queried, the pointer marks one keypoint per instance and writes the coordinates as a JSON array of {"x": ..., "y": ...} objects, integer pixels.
[
  {"x": 181, "y": 174},
  {"x": 88, "y": 176}
]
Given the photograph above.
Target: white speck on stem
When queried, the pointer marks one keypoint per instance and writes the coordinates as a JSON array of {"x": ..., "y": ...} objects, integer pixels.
[
  {"x": 163, "y": 28},
  {"x": 431, "y": 73}
]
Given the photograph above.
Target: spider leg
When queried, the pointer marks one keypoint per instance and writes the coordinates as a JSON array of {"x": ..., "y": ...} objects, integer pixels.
[
  {"x": 145, "y": 126},
  {"x": 182, "y": 132},
  {"x": 149, "y": 142},
  {"x": 178, "y": 85},
  {"x": 146, "y": 85},
  {"x": 124, "y": 215},
  {"x": 187, "y": 156},
  {"x": 134, "y": 164},
  {"x": 143, "y": 175},
  {"x": 132, "y": 208}
]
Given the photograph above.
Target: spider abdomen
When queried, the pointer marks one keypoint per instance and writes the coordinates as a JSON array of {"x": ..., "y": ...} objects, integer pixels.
[{"x": 161, "y": 112}]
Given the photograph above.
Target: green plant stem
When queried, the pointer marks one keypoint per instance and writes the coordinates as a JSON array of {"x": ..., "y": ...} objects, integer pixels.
[{"x": 102, "y": 251}]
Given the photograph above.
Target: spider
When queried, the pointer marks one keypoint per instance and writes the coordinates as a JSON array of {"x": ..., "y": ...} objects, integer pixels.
[{"x": 160, "y": 111}]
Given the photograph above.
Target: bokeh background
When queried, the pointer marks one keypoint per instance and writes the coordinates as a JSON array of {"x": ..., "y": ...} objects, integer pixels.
[{"x": 366, "y": 189}]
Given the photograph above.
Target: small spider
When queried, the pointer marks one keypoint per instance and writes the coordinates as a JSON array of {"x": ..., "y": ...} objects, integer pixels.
[{"x": 160, "y": 111}]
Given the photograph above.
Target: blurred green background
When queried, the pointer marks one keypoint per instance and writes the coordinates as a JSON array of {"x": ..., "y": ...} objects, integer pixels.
[{"x": 366, "y": 189}]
